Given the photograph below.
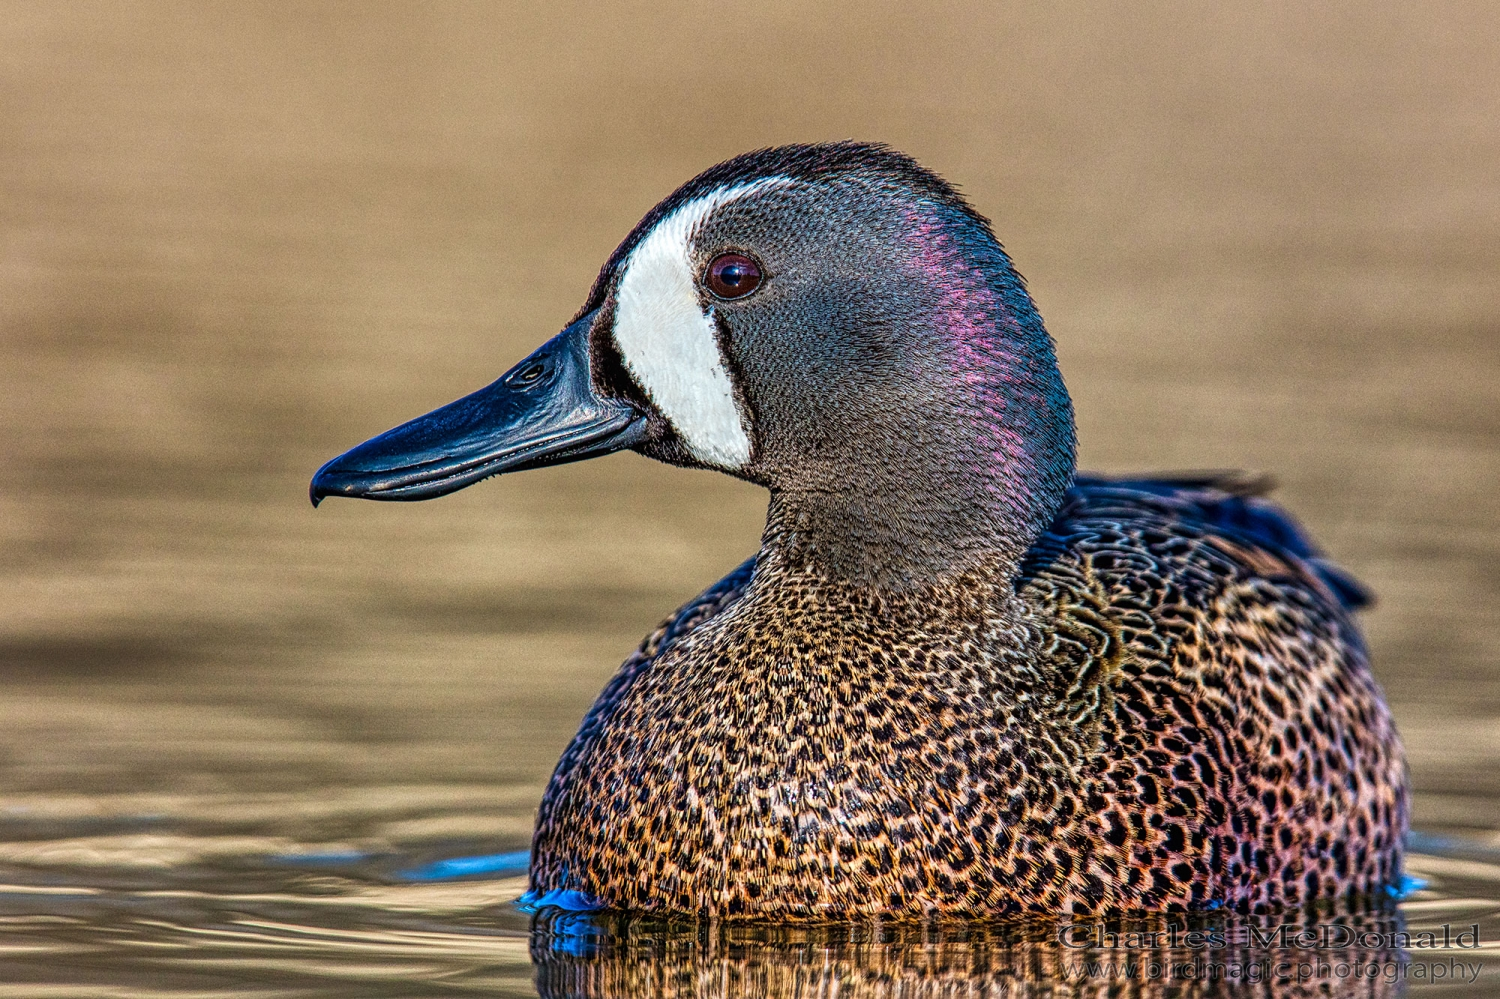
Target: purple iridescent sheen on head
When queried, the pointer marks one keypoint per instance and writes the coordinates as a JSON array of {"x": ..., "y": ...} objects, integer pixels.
[{"x": 1015, "y": 409}]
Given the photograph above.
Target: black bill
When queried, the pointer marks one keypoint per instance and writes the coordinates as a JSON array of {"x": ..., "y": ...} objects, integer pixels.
[{"x": 544, "y": 411}]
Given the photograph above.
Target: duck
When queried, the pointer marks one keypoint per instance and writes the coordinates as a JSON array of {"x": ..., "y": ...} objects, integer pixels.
[{"x": 959, "y": 678}]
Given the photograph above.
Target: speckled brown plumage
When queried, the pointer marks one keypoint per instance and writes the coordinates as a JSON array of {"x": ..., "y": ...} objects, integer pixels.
[{"x": 1169, "y": 708}]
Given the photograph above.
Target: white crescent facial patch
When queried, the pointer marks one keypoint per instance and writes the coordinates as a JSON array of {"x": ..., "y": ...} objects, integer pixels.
[{"x": 667, "y": 341}]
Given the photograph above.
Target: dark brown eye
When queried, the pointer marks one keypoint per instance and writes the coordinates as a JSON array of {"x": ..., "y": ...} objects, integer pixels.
[{"x": 732, "y": 275}]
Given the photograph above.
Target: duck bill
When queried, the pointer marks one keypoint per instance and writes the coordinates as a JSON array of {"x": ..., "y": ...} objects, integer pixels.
[{"x": 544, "y": 411}]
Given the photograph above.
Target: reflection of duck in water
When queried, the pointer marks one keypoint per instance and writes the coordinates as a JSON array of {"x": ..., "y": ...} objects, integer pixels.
[
  {"x": 1330, "y": 955},
  {"x": 955, "y": 678}
]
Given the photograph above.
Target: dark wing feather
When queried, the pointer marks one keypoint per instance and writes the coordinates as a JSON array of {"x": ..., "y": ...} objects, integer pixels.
[{"x": 1226, "y": 503}]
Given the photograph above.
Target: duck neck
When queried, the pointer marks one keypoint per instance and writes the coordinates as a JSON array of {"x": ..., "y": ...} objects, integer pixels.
[
  {"x": 920, "y": 495},
  {"x": 905, "y": 530}
]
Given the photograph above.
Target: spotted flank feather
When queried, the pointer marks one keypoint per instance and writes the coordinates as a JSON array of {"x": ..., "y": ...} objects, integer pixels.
[{"x": 1180, "y": 716}]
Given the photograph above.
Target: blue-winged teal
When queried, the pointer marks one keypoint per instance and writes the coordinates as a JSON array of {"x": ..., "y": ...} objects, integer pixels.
[{"x": 956, "y": 678}]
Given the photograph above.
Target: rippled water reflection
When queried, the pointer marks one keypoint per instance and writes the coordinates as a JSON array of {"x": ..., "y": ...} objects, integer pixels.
[
  {"x": 153, "y": 911},
  {"x": 236, "y": 239}
]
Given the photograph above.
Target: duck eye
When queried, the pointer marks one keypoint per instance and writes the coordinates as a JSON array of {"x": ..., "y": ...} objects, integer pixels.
[{"x": 732, "y": 275}]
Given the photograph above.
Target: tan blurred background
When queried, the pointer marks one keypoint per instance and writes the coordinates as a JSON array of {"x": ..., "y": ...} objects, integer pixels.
[{"x": 238, "y": 238}]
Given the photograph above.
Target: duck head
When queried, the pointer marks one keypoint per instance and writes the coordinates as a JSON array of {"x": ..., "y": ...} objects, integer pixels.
[{"x": 833, "y": 322}]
